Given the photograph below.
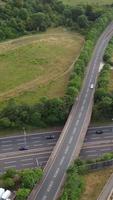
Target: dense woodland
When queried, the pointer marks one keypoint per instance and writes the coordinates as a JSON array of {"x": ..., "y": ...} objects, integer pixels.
[{"x": 19, "y": 17}]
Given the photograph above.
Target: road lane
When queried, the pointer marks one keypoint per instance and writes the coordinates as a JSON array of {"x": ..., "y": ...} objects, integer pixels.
[{"x": 11, "y": 144}]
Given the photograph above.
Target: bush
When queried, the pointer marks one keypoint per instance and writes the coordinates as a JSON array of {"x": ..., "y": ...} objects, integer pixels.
[{"x": 22, "y": 194}]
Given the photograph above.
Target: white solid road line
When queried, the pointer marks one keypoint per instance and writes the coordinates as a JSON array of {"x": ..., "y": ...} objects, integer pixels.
[
  {"x": 7, "y": 141},
  {"x": 12, "y": 166},
  {"x": 7, "y": 149},
  {"x": 24, "y": 164},
  {"x": 108, "y": 137},
  {"x": 26, "y": 159},
  {"x": 6, "y": 145},
  {"x": 93, "y": 155},
  {"x": 9, "y": 162},
  {"x": 90, "y": 151}
]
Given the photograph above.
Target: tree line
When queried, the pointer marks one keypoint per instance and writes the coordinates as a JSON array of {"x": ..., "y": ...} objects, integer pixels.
[
  {"x": 103, "y": 100},
  {"x": 20, "y": 17}
]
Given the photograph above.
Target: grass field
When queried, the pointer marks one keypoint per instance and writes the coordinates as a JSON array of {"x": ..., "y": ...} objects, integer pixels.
[
  {"x": 111, "y": 82},
  {"x": 39, "y": 65},
  {"x": 94, "y": 183},
  {"x": 96, "y": 2}
]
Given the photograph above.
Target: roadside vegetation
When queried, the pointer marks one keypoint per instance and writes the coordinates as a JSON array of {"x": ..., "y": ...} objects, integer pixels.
[
  {"x": 55, "y": 111},
  {"x": 20, "y": 181},
  {"x": 103, "y": 101},
  {"x": 80, "y": 179}
]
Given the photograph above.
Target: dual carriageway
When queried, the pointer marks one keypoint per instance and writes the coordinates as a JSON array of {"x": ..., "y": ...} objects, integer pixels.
[{"x": 40, "y": 148}]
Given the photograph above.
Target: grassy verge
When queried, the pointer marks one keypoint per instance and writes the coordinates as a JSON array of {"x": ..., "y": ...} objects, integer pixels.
[
  {"x": 96, "y": 2},
  {"x": 94, "y": 183},
  {"x": 47, "y": 59}
]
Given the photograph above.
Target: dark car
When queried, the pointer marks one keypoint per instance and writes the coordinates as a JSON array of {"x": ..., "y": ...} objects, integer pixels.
[
  {"x": 49, "y": 137},
  {"x": 23, "y": 148},
  {"x": 99, "y": 132}
]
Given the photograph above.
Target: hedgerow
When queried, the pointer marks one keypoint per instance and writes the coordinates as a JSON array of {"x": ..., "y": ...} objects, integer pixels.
[{"x": 103, "y": 101}]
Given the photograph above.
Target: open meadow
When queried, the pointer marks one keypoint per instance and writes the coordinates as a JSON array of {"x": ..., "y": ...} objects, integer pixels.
[{"x": 38, "y": 65}]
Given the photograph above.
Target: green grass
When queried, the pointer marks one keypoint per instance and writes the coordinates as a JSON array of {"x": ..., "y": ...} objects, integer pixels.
[
  {"x": 39, "y": 65},
  {"x": 96, "y": 2}
]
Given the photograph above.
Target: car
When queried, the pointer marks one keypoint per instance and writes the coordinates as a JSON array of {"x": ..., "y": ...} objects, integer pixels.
[
  {"x": 99, "y": 131},
  {"x": 23, "y": 148},
  {"x": 49, "y": 137},
  {"x": 91, "y": 86}
]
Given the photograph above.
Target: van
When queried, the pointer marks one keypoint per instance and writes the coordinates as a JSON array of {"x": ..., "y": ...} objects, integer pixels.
[
  {"x": 6, "y": 195},
  {"x": 92, "y": 86},
  {"x": 2, "y": 190}
]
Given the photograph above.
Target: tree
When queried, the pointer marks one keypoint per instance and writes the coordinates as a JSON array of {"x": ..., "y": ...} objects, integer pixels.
[
  {"x": 29, "y": 177},
  {"x": 23, "y": 13},
  {"x": 36, "y": 119},
  {"x": 8, "y": 183},
  {"x": 76, "y": 12},
  {"x": 38, "y": 21},
  {"x": 83, "y": 21},
  {"x": 18, "y": 3},
  {"x": 10, "y": 173},
  {"x": 5, "y": 122}
]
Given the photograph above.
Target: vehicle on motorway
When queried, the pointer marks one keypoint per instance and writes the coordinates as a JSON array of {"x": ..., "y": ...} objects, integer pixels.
[
  {"x": 99, "y": 131},
  {"x": 23, "y": 148},
  {"x": 49, "y": 137},
  {"x": 91, "y": 86}
]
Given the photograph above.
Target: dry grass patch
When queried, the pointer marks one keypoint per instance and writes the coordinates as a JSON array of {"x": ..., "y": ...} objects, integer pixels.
[
  {"x": 111, "y": 82},
  {"x": 38, "y": 65},
  {"x": 96, "y": 2},
  {"x": 94, "y": 183}
]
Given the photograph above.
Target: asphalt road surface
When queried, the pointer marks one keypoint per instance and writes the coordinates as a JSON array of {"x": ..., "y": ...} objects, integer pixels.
[
  {"x": 41, "y": 148},
  {"x": 95, "y": 145},
  {"x": 32, "y": 141},
  {"x": 72, "y": 133}
]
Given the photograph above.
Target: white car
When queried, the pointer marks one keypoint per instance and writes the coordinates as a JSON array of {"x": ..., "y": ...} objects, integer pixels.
[{"x": 92, "y": 86}]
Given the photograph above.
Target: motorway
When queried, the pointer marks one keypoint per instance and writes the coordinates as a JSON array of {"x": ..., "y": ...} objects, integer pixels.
[
  {"x": 31, "y": 141},
  {"x": 40, "y": 148},
  {"x": 71, "y": 139}
]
